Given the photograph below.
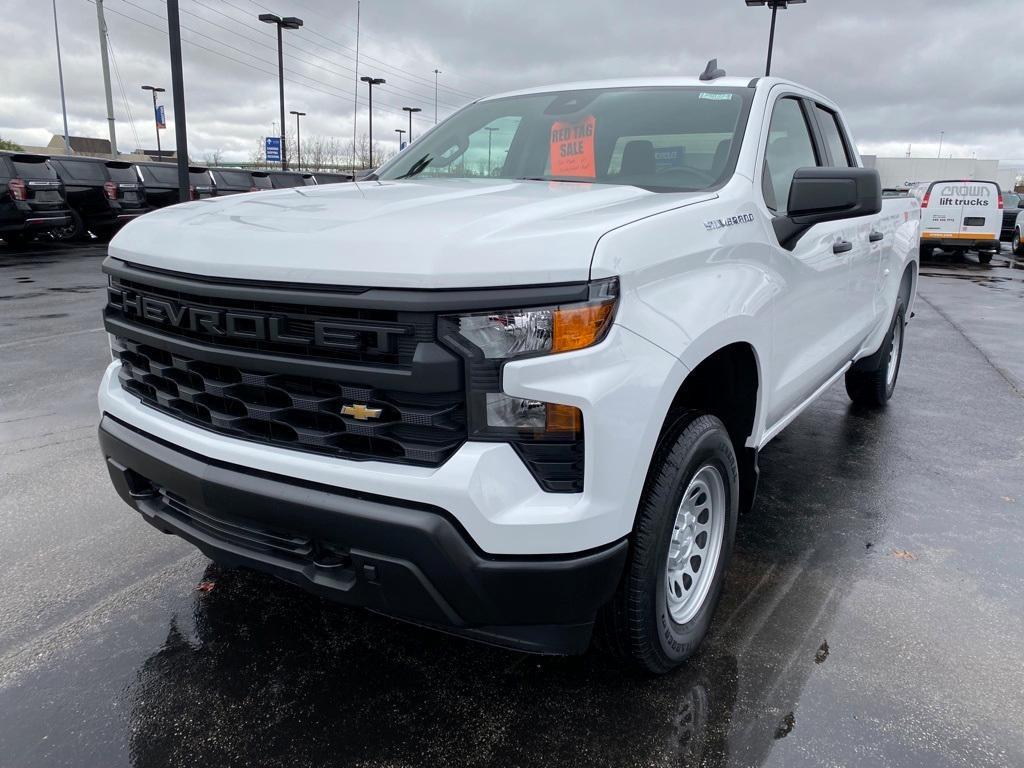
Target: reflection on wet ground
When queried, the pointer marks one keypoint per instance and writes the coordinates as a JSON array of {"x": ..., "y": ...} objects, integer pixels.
[{"x": 872, "y": 616}]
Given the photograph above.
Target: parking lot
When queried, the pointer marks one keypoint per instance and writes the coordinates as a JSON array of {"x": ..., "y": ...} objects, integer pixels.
[{"x": 872, "y": 605}]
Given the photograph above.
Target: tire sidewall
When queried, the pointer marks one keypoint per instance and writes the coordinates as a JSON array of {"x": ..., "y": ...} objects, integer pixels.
[
  {"x": 900, "y": 317},
  {"x": 712, "y": 446}
]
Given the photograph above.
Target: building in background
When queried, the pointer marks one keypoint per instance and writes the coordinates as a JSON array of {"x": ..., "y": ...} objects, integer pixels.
[{"x": 902, "y": 171}]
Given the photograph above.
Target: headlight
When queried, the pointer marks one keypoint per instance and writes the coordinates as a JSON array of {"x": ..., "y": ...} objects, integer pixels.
[{"x": 514, "y": 333}]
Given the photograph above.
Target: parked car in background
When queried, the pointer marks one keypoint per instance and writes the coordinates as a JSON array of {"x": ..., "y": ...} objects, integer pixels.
[
  {"x": 32, "y": 198},
  {"x": 232, "y": 181},
  {"x": 161, "y": 182},
  {"x": 960, "y": 215},
  {"x": 103, "y": 195},
  {"x": 1018, "y": 229},
  {"x": 1013, "y": 204},
  {"x": 332, "y": 178},
  {"x": 895, "y": 192},
  {"x": 286, "y": 179}
]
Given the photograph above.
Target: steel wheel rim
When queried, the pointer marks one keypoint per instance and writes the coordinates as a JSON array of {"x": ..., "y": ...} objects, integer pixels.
[
  {"x": 894, "y": 353},
  {"x": 695, "y": 544}
]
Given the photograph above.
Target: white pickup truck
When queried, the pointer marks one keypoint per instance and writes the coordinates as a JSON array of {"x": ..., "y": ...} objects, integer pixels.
[{"x": 514, "y": 384}]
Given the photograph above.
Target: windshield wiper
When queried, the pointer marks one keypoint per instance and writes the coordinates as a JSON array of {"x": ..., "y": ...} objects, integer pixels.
[
  {"x": 417, "y": 167},
  {"x": 554, "y": 178}
]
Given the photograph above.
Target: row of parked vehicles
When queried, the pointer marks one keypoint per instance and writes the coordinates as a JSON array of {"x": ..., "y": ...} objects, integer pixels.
[{"x": 73, "y": 198}]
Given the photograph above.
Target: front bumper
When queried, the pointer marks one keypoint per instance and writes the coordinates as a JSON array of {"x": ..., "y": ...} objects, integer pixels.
[
  {"x": 413, "y": 561},
  {"x": 623, "y": 386}
]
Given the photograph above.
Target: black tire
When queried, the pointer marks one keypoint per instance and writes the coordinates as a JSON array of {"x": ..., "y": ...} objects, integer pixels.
[
  {"x": 72, "y": 232},
  {"x": 926, "y": 251},
  {"x": 868, "y": 382},
  {"x": 638, "y": 625},
  {"x": 984, "y": 257},
  {"x": 1018, "y": 247}
]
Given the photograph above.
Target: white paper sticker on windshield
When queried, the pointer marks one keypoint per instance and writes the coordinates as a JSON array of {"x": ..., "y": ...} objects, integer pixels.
[{"x": 715, "y": 96}]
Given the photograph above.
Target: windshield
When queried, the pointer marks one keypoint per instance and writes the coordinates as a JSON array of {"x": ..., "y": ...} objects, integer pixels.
[{"x": 667, "y": 139}]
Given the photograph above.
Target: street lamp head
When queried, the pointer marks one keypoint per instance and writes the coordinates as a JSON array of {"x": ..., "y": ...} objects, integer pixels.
[
  {"x": 270, "y": 18},
  {"x": 153, "y": 88},
  {"x": 291, "y": 22},
  {"x": 412, "y": 109},
  {"x": 297, "y": 114},
  {"x": 774, "y": 3}
]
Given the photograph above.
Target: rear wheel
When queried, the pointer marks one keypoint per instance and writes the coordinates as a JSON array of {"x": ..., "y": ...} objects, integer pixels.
[
  {"x": 1018, "y": 248},
  {"x": 984, "y": 257},
  {"x": 926, "y": 251},
  {"x": 873, "y": 380},
  {"x": 681, "y": 546},
  {"x": 72, "y": 231}
]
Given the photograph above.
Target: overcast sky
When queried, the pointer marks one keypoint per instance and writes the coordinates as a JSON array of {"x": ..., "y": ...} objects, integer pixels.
[{"x": 903, "y": 70}]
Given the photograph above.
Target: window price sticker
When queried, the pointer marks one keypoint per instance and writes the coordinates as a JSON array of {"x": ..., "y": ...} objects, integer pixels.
[{"x": 572, "y": 148}]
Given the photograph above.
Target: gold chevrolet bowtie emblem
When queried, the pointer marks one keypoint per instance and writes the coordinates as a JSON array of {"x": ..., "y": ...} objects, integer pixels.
[{"x": 361, "y": 412}]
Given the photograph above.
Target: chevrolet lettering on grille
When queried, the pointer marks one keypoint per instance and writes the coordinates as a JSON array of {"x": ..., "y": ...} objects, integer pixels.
[{"x": 233, "y": 324}]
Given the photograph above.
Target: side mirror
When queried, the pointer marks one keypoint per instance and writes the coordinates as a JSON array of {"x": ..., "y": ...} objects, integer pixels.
[{"x": 827, "y": 194}]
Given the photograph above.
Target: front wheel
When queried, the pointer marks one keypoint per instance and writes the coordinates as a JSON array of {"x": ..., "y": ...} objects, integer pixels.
[
  {"x": 873, "y": 380},
  {"x": 1018, "y": 249},
  {"x": 681, "y": 545}
]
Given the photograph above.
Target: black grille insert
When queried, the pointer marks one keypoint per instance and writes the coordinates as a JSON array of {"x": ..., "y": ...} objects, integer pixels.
[
  {"x": 295, "y": 411},
  {"x": 338, "y": 334}
]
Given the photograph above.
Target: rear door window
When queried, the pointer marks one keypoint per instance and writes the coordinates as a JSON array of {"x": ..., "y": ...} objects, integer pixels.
[
  {"x": 199, "y": 178},
  {"x": 123, "y": 174},
  {"x": 30, "y": 169},
  {"x": 233, "y": 178},
  {"x": 832, "y": 133},
  {"x": 161, "y": 173},
  {"x": 261, "y": 181},
  {"x": 790, "y": 148},
  {"x": 82, "y": 171}
]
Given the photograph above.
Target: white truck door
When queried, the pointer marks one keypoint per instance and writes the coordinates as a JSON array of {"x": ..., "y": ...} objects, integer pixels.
[
  {"x": 813, "y": 311},
  {"x": 864, "y": 234}
]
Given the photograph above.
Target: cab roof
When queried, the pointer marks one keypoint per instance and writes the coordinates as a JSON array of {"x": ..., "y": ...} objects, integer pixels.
[{"x": 649, "y": 82}]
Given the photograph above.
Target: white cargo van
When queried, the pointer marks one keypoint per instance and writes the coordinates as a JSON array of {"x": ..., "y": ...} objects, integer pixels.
[{"x": 960, "y": 216}]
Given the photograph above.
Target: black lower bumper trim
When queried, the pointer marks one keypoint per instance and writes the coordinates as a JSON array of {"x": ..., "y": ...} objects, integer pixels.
[{"x": 408, "y": 560}]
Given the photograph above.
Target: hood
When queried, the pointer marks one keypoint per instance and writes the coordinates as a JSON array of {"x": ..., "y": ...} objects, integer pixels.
[{"x": 437, "y": 233}]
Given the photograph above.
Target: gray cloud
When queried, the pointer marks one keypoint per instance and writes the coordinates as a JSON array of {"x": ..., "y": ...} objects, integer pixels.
[{"x": 904, "y": 70}]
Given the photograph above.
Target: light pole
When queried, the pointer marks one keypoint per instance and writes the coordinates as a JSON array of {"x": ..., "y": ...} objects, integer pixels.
[
  {"x": 155, "y": 90},
  {"x": 775, "y": 5},
  {"x": 490, "y": 132},
  {"x": 288, "y": 22},
  {"x": 370, "y": 82},
  {"x": 942, "y": 135},
  {"x": 298, "y": 138},
  {"x": 410, "y": 110},
  {"x": 436, "y": 73},
  {"x": 60, "y": 76},
  {"x": 400, "y": 131}
]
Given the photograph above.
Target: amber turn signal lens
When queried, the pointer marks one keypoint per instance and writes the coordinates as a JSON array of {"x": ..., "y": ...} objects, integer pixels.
[
  {"x": 563, "y": 419},
  {"x": 579, "y": 327}
]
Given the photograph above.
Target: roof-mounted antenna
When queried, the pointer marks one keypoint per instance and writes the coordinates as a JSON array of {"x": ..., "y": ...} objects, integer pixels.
[{"x": 711, "y": 71}]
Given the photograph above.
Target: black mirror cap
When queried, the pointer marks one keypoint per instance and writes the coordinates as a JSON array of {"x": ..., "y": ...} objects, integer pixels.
[{"x": 827, "y": 194}]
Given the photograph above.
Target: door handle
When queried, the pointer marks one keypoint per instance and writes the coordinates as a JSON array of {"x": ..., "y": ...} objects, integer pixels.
[
  {"x": 875, "y": 236},
  {"x": 842, "y": 246}
]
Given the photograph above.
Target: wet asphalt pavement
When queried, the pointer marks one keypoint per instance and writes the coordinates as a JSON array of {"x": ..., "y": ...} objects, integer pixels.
[{"x": 873, "y": 615}]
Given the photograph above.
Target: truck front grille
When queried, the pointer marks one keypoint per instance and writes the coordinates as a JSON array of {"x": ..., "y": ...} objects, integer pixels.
[{"x": 295, "y": 411}]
